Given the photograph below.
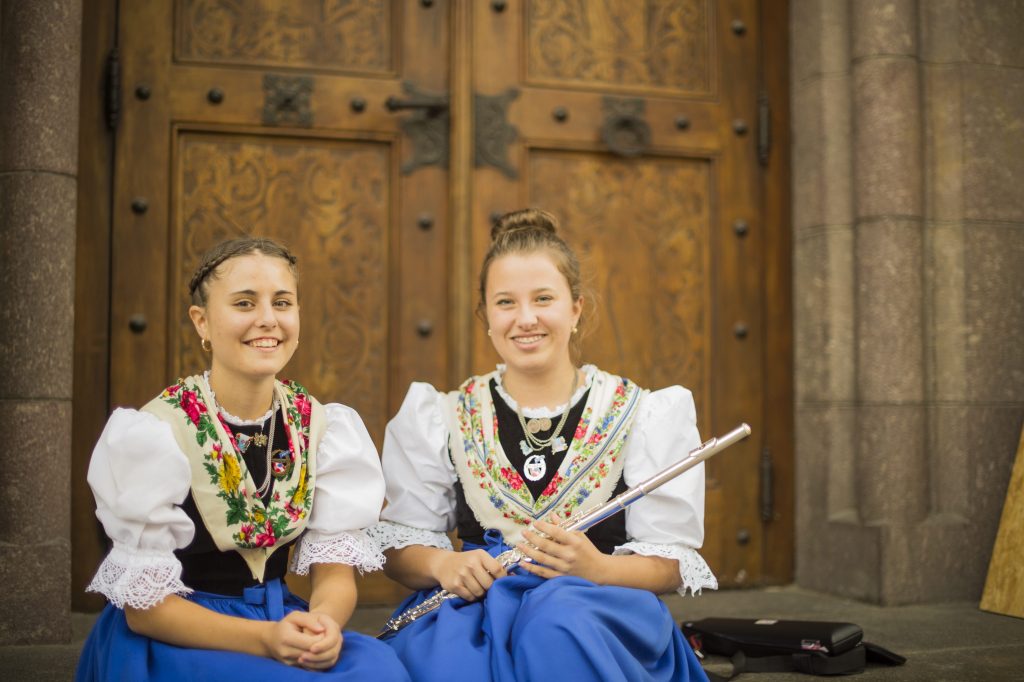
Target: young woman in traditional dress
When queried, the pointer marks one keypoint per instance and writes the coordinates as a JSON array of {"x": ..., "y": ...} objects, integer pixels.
[
  {"x": 541, "y": 436},
  {"x": 204, "y": 489}
]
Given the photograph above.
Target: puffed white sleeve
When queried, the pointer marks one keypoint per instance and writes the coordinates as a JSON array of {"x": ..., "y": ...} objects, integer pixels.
[
  {"x": 139, "y": 477},
  {"x": 668, "y": 522},
  {"x": 420, "y": 477},
  {"x": 348, "y": 492}
]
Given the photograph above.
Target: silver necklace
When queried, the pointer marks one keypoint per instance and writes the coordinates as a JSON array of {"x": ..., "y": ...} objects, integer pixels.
[
  {"x": 535, "y": 424},
  {"x": 243, "y": 441},
  {"x": 262, "y": 489},
  {"x": 536, "y": 466}
]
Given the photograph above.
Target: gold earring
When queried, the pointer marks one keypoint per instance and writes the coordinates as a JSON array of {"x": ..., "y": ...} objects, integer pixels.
[
  {"x": 488, "y": 332},
  {"x": 575, "y": 329},
  {"x": 206, "y": 345}
]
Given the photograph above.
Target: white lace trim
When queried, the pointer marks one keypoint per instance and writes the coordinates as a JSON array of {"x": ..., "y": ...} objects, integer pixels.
[
  {"x": 541, "y": 412},
  {"x": 693, "y": 570},
  {"x": 138, "y": 578},
  {"x": 390, "y": 535},
  {"x": 352, "y": 548},
  {"x": 230, "y": 418}
]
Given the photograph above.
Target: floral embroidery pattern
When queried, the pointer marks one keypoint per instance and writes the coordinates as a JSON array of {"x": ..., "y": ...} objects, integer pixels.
[
  {"x": 590, "y": 459},
  {"x": 259, "y": 525}
]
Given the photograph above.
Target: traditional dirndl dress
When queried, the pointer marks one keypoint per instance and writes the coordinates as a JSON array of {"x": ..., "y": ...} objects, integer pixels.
[
  {"x": 114, "y": 652},
  {"x": 177, "y": 496},
  {"x": 528, "y": 628},
  {"x": 452, "y": 461}
]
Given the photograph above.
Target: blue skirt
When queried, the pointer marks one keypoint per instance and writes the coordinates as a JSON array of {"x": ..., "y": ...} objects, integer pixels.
[
  {"x": 114, "y": 652},
  {"x": 528, "y": 628}
]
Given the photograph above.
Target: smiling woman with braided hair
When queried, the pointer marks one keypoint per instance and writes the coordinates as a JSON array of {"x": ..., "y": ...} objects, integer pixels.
[{"x": 203, "y": 490}]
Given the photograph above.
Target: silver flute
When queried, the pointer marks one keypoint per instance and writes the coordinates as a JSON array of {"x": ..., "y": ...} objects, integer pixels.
[{"x": 511, "y": 558}]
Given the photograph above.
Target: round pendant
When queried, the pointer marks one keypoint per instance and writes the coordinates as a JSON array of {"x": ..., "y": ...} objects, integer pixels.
[
  {"x": 281, "y": 464},
  {"x": 538, "y": 424},
  {"x": 535, "y": 467}
]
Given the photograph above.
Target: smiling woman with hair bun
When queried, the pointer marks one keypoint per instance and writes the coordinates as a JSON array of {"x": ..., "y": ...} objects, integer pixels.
[
  {"x": 535, "y": 441},
  {"x": 205, "y": 489}
]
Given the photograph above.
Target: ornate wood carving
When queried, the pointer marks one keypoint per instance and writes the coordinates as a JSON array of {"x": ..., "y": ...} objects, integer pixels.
[
  {"x": 641, "y": 230},
  {"x": 335, "y": 35},
  {"x": 664, "y": 44},
  {"x": 329, "y": 202},
  {"x": 493, "y": 132}
]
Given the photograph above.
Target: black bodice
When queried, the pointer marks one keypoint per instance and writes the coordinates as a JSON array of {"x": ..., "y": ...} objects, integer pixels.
[
  {"x": 206, "y": 568},
  {"x": 605, "y": 536}
]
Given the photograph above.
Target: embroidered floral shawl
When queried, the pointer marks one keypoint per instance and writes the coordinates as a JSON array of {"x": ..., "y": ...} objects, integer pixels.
[
  {"x": 586, "y": 478},
  {"x": 222, "y": 486}
]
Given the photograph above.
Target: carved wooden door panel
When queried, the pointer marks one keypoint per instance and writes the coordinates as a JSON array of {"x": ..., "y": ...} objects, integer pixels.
[
  {"x": 633, "y": 122},
  {"x": 268, "y": 117}
]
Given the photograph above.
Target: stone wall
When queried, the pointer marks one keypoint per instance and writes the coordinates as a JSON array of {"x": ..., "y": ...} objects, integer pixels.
[
  {"x": 39, "y": 81},
  {"x": 908, "y": 133}
]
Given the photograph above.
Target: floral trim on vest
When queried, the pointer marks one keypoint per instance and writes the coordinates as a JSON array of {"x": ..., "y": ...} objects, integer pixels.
[
  {"x": 223, "y": 489},
  {"x": 586, "y": 478}
]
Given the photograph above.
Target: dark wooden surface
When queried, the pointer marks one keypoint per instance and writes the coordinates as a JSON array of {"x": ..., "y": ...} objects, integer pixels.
[{"x": 91, "y": 388}]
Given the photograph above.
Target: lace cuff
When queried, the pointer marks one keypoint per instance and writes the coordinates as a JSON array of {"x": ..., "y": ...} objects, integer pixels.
[
  {"x": 390, "y": 535},
  {"x": 352, "y": 548},
  {"x": 693, "y": 570},
  {"x": 138, "y": 578}
]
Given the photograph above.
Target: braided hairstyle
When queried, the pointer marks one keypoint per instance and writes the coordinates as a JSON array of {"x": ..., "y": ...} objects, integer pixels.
[
  {"x": 232, "y": 248},
  {"x": 530, "y": 230}
]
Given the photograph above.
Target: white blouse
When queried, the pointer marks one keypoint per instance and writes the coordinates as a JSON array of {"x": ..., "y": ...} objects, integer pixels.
[
  {"x": 139, "y": 476},
  {"x": 669, "y": 522}
]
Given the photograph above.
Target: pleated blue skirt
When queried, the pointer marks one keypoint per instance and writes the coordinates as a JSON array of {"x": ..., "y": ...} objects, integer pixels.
[
  {"x": 527, "y": 628},
  {"x": 114, "y": 652}
]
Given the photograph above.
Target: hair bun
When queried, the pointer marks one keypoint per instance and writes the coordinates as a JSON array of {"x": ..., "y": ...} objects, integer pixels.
[{"x": 524, "y": 220}]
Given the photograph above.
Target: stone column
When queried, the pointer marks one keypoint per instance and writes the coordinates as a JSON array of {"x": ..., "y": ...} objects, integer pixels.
[
  {"x": 908, "y": 127},
  {"x": 824, "y": 301},
  {"x": 973, "y": 85},
  {"x": 888, "y": 186},
  {"x": 39, "y": 84}
]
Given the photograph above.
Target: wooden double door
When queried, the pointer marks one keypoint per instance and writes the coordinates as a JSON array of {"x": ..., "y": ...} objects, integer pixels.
[{"x": 379, "y": 139}]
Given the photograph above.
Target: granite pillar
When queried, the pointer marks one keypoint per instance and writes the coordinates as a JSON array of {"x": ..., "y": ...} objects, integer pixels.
[
  {"x": 909, "y": 290},
  {"x": 39, "y": 84}
]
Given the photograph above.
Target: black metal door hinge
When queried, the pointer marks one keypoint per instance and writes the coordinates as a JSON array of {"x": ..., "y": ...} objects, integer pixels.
[
  {"x": 764, "y": 128},
  {"x": 112, "y": 94},
  {"x": 767, "y": 468},
  {"x": 493, "y": 134},
  {"x": 427, "y": 127}
]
